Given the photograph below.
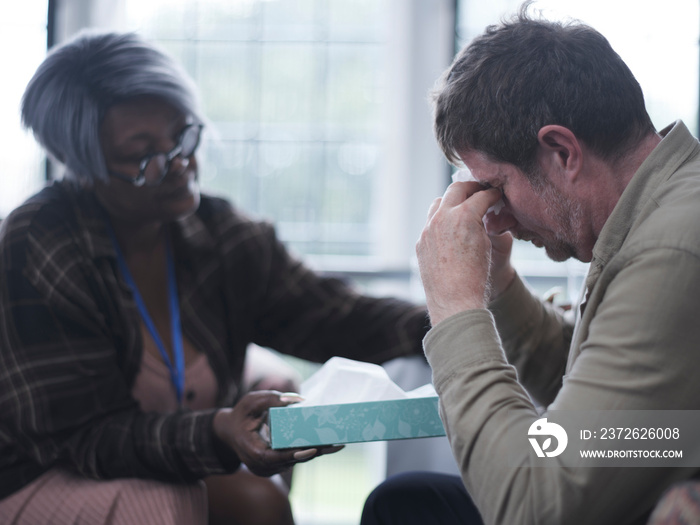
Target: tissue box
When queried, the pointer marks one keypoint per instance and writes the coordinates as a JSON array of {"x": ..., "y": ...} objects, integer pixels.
[{"x": 308, "y": 426}]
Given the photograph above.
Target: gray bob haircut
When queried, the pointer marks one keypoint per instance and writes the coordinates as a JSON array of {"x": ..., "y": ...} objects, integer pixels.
[{"x": 68, "y": 96}]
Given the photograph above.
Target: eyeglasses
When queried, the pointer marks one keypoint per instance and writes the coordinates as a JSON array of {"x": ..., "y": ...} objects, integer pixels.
[{"x": 154, "y": 167}]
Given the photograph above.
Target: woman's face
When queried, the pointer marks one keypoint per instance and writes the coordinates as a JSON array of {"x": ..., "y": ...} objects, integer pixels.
[{"x": 131, "y": 131}]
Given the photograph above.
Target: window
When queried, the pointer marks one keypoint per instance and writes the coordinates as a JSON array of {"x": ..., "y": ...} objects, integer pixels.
[
  {"x": 294, "y": 90},
  {"x": 664, "y": 61},
  {"x": 320, "y": 118},
  {"x": 658, "y": 43},
  {"x": 23, "y": 36}
]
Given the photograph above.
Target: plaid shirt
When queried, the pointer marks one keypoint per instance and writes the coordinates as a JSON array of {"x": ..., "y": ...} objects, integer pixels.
[{"x": 70, "y": 342}]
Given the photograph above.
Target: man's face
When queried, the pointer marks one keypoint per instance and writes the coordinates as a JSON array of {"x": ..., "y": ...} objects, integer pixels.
[{"x": 543, "y": 215}]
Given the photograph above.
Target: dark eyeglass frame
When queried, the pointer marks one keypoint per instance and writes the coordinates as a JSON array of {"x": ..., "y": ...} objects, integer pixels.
[{"x": 140, "y": 179}]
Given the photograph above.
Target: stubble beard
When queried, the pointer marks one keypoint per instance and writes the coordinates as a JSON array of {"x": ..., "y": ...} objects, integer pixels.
[{"x": 567, "y": 214}]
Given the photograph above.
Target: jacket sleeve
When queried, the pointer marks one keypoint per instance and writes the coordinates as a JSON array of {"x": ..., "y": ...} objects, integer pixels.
[
  {"x": 294, "y": 310},
  {"x": 536, "y": 338},
  {"x": 640, "y": 354}
]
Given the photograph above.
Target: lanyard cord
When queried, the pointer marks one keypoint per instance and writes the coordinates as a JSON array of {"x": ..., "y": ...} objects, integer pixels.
[{"x": 177, "y": 372}]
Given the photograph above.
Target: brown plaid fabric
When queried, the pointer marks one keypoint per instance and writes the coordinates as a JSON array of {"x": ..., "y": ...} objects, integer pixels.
[{"x": 70, "y": 343}]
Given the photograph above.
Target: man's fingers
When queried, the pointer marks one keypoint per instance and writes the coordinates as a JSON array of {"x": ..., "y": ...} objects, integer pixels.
[
  {"x": 458, "y": 192},
  {"x": 434, "y": 207},
  {"x": 480, "y": 199},
  {"x": 483, "y": 200}
]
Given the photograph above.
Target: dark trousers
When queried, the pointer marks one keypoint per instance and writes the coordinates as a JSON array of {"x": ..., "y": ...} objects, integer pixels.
[{"x": 420, "y": 498}]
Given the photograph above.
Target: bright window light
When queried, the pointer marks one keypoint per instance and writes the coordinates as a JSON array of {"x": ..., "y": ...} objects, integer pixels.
[{"x": 23, "y": 39}]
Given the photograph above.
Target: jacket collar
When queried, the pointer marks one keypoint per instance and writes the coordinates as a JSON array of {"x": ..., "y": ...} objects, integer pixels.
[{"x": 675, "y": 148}]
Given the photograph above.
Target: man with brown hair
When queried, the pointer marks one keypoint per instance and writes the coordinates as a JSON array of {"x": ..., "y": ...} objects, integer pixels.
[{"x": 548, "y": 118}]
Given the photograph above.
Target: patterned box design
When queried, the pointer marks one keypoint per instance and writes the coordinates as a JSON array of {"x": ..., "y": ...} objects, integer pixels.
[{"x": 355, "y": 422}]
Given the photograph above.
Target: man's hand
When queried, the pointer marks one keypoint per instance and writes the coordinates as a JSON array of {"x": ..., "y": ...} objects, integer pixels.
[
  {"x": 454, "y": 250},
  {"x": 502, "y": 272},
  {"x": 239, "y": 428}
]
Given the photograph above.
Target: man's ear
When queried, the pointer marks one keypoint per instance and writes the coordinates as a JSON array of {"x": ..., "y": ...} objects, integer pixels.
[{"x": 560, "y": 148}]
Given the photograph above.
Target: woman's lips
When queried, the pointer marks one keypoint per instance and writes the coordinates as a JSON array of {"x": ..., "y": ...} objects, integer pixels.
[{"x": 179, "y": 186}]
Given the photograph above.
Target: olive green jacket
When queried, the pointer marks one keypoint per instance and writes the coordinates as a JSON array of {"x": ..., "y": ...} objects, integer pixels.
[{"x": 635, "y": 346}]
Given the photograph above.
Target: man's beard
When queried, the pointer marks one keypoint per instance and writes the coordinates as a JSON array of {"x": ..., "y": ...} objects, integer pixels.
[{"x": 567, "y": 215}]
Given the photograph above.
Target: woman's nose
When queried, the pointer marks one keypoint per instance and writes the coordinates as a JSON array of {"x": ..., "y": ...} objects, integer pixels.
[{"x": 497, "y": 224}]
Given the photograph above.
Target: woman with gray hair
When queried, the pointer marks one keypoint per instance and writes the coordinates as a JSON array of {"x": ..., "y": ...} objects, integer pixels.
[{"x": 128, "y": 300}]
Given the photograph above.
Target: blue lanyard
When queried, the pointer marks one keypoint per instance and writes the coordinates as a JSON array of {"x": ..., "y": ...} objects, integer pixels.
[{"x": 177, "y": 372}]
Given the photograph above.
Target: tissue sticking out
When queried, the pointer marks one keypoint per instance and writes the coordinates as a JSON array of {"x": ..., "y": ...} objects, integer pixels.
[
  {"x": 342, "y": 380},
  {"x": 464, "y": 175}
]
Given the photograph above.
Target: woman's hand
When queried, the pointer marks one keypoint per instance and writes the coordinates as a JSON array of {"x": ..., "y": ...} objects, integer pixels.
[{"x": 240, "y": 427}]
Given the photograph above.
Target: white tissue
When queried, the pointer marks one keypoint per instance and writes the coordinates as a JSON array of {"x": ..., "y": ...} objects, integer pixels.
[
  {"x": 343, "y": 380},
  {"x": 464, "y": 175}
]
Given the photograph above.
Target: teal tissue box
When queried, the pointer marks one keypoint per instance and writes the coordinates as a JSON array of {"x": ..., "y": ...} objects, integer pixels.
[{"x": 411, "y": 418}]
